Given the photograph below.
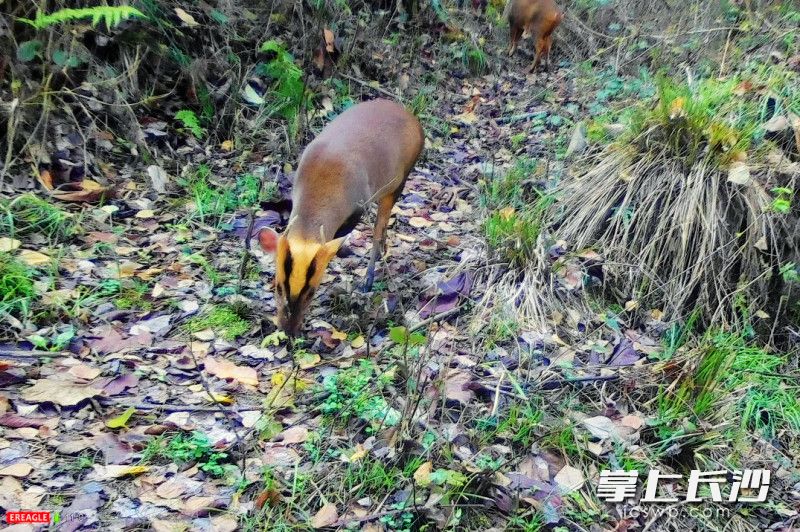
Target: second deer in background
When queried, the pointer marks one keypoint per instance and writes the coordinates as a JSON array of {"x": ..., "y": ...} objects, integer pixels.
[{"x": 537, "y": 18}]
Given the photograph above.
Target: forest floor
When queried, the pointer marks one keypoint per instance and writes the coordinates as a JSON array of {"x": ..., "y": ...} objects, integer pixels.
[{"x": 172, "y": 403}]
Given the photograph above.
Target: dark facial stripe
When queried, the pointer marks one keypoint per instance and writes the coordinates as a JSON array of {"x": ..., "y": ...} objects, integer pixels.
[
  {"x": 287, "y": 272},
  {"x": 349, "y": 224}
]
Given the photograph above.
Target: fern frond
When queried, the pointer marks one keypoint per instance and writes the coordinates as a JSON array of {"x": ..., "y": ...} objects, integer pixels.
[
  {"x": 111, "y": 15},
  {"x": 190, "y": 121}
]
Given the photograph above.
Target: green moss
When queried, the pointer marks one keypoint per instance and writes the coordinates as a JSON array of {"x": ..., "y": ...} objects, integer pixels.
[{"x": 229, "y": 321}]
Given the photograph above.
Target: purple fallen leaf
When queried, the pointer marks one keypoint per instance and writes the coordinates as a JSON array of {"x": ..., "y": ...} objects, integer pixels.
[
  {"x": 624, "y": 354},
  {"x": 521, "y": 482},
  {"x": 461, "y": 284},
  {"x": 438, "y": 304},
  {"x": 108, "y": 340},
  {"x": 121, "y": 383},
  {"x": 17, "y": 422},
  {"x": 114, "y": 450},
  {"x": 268, "y": 219}
]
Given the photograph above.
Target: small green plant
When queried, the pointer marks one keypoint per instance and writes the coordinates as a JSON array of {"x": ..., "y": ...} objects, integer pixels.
[
  {"x": 133, "y": 297},
  {"x": 472, "y": 57},
  {"x": 518, "y": 140},
  {"x": 229, "y": 321},
  {"x": 516, "y": 212},
  {"x": 211, "y": 201},
  {"x": 782, "y": 203},
  {"x": 55, "y": 342},
  {"x": 196, "y": 448},
  {"x": 17, "y": 291},
  {"x": 28, "y": 214},
  {"x": 287, "y": 93},
  {"x": 356, "y": 391},
  {"x": 191, "y": 122},
  {"x": 370, "y": 476},
  {"x": 112, "y": 16}
]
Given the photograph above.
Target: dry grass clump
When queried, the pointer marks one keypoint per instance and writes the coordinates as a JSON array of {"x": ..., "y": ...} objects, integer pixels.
[{"x": 680, "y": 207}]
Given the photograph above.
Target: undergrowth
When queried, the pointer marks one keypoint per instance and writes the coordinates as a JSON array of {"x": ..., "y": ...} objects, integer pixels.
[
  {"x": 28, "y": 214},
  {"x": 229, "y": 321},
  {"x": 17, "y": 290}
]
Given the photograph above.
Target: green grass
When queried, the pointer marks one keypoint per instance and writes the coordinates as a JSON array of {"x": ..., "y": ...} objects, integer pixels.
[
  {"x": 28, "y": 214},
  {"x": 17, "y": 290},
  {"x": 133, "y": 297},
  {"x": 210, "y": 202},
  {"x": 357, "y": 392},
  {"x": 515, "y": 213},
  {"x": 737, "y": 387},
  {"x": 229, "y": 321},
  {"x": 185, "y": 449}
]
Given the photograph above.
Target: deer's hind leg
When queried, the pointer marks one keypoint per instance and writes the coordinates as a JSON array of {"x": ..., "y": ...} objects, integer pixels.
[{"x": 385, "y": 205}]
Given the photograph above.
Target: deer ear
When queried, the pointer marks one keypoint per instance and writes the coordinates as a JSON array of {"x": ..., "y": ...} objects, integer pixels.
[
  {"x": 268, "y": 239},
  {"x": 329, "y": 249}
]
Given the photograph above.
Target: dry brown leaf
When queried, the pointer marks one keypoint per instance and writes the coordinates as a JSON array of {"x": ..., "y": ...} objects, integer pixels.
[
  {"x": 118, "y": 471},
  {"x": 292, "y": 435},
  {"x": 9, "y": 244},
  {"x": 87, "y": 190},
  {"x": 185, "y": 17},
  {"x": 326, "y": 516},
  {"x": 171, "y": 489},
  {"x": 64, "y": 393},
  {"x": 33, "y": 258},
  {"x": 20, "y": 469},
  {"x": 569, "y": 479},
  {"x": 82, "y": 371},
  {"x": 228, "y": 370},
  {"x": 455, "y": 387},
  {"x": 422, "y": 476},
  {"x": 46, "y": 179}
]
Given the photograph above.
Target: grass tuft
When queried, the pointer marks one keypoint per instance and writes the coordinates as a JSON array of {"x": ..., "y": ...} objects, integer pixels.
[
  {"x": 17, "y": 291},
  {"x": 28, "y": 214}
]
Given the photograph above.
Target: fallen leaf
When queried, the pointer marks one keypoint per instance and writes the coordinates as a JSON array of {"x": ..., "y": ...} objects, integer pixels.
[
  {"x": 280, "y": 456},
  {"x": 224, "y": 523},
  {"x": 455, "y": 387},
  {"x": 82, "y": 371},
  {"x": 227, "y": 145},
  {"x": 121, "y": 420},
  {"x": 228, "y": 370},
  {"x": 173, "y": 488},
  {"x": 9, "y": 244},
  {"x": 33, "y": 258},
  {"x": 739, "y": 173},
  {"x": 185, "y": 17},
  {"x": 326, "y": 516},
  {"x": 118, "y": 471},
  {"x": 86, "y": 190},
  {"x": 198, "y": 505},
  {"x": 418, "y": 221},
  {"x": 292, "y": 435},
  {"x": 600, "y": 427},
  {"x": 158, "y": 177},
  {"x": 634, "y": 422},
  {"x": 569, "y": 479},
  {"x": 63, "y": 393},
  {"x": 306, "y": 360},
  {"x": 422, "y": 476},
  {"x": 358, "y": 342},
  {"x": 20, "y": 469}
]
